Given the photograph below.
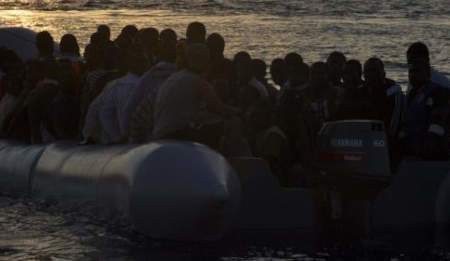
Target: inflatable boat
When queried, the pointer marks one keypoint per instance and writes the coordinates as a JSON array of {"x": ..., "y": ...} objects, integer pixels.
[
  {"x": 186, "y": 191},
  {"x": 169, "y": 190},
  {"x": 22, "y": 41}
]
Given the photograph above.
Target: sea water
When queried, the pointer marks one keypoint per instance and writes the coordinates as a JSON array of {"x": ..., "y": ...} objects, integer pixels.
[{"x": 267, "y": 29}]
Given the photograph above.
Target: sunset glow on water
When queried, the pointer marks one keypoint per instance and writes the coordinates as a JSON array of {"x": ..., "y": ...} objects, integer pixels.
[{"x": 267, "y": 29}]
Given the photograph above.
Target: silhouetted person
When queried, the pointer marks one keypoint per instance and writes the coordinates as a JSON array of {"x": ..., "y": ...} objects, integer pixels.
[
  {"x": 292, "y": 63},
  {"x": 129, "y": 30},
  {"x": 259, "y": 68},
  {"x": 251, "y": 91},
  {"x": 167, "y": 46},
  {"x": 352, "y": 75},
  {"x": 336, "y": 63},
  {"x": 425, "y": 126},
  {"x": 70, "y": 56},
  {"x": 221, "y": 70},
  {"x": 68, "y": 46},
  {"x": 126, "y": 37},
  {"x": 322, "y": 98},
  {"x": 292, "y": 101},
  {"x": 356, "y": 103},
  {"x": 44, "y": 44},
  {"x": 91, "y": 52},
  {"x": 277, "y": 72},
  {"x": 178, "y": 108},
  {"x": 104, "y": 32},
  {"x": 419, "y": 51},
  {"x": 138, "y": 112},
  {"x": 388, "y": 101},
  {"x": 148, "y": 40},
  {"x": 106, "y": 112},
  {"x": 195, "y": 33},
  {"x": 385, "y": 94},
  {"x": 11, "y": 85},
  {"x": 97, "y": 79}
]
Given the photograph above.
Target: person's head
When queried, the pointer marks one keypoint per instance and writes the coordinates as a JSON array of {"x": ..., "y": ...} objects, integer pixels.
[
  {"x": 195, "y": 33},
  {"x": 104, "y": 32},
  {"x": 374, "y": 74},
  {"x": 167, "y": 45},
  {"x": 69, "y": 45},
  {"x": 277, "y": 71},
  {"x": 168, "y": 35},
  {"x": 129, "y": 31},
  {"x": 95, "y": 39},
  {"x": 126, "y": 37},
  {"x": 418, "y": 51},
  {"x": 216, "y": 45},
  {"x": 419, "y": 73},
  {"x": 336, "y": 63},
  {"x": 352, "y": 74},
  {"x": 148, "y": 38},
  {"x": 259, "y": 69},
  {"x": 44, "y": 43},
  {"x": 319, "y": 75},
  {"x": 243, "y": 67},
  {"x": 292, "y": 63},
  {"x": 197, "y": 57}
]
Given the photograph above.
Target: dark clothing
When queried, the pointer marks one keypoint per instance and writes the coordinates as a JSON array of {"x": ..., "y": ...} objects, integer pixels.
[
  {"x": 387, "y": 100},
  {"x": 273, "y": 92},
  {"x": 63, "y": 116},
  {"x": 221, "y": 78},
  {"x": 296, "y": 120},
  {"x": 357, "y": 104},
  {"x": 425, "y": 122},
  {"x": 322, "y": 106},
  {"x": 37, "y": 104}
]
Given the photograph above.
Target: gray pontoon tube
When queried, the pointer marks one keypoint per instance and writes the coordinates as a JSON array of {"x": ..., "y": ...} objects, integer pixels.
[{"x": 177, "y": 191}]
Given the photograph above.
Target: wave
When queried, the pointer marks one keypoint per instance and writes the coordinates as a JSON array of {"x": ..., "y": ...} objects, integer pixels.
[{"x": 399, "y": 8}]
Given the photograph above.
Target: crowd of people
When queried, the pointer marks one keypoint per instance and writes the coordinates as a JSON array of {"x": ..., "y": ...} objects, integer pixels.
[{"x": 147, "y": 85}]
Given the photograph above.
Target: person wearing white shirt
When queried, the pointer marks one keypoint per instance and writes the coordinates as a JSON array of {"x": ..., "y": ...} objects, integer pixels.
[{"x": 102, "y": 123}]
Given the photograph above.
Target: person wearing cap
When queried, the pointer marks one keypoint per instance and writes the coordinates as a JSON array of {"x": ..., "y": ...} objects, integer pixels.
[{"x": 182, "y": 99}]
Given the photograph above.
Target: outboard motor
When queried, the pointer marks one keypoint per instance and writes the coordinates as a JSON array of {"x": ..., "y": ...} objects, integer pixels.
[{"x": 352, "y": 157}]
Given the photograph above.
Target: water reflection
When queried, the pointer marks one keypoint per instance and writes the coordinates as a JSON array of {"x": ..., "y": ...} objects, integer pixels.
[
  {"x": 265, "y": 36},
  {"x": 39, "y": 230}
]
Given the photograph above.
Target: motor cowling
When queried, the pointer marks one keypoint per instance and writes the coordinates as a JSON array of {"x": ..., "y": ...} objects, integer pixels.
[{"x": 353, "y": 155}]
